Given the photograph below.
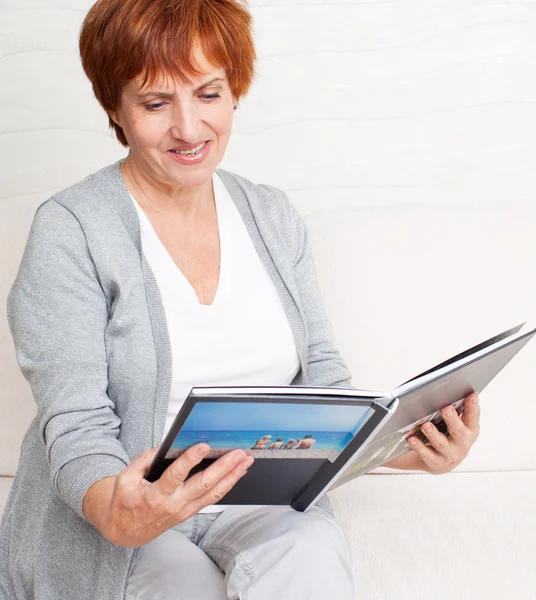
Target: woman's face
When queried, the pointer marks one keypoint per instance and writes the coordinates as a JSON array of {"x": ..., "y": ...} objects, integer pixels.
[{"x": 158, "y": 120}]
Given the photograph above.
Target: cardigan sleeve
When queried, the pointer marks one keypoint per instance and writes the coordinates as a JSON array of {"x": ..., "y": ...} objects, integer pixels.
[
  {"x": 325, "y": 365},
  {"x": 57, "y": 313}
]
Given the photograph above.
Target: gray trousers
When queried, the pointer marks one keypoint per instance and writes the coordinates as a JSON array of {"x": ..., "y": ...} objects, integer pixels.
[{"x": 246, "y": 553}]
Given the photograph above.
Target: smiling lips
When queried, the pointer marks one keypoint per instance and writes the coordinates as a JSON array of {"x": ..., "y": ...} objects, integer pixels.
[
  {"x": 194, "y": 155},
  {"x": 188, "y": 146},
  {"x": 188, "y": 152}
]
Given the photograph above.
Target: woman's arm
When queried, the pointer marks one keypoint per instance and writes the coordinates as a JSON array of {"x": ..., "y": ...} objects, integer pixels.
[{"x": 57, "y": 314}]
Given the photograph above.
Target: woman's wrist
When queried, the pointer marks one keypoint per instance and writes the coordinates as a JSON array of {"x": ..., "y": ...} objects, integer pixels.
[
  {"x": 97, "y": 502},
  {"x": 406, "y": 462}
]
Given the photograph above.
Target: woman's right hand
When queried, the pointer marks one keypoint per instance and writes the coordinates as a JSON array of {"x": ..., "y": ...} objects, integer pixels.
[{"x": 130, "y": 511}]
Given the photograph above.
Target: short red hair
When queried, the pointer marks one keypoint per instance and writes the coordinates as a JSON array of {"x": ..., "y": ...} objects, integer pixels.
[{"x": 121, "y": 39}]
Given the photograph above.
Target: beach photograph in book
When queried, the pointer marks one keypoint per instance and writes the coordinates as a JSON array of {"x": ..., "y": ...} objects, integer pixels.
[
  {"x": 272, "y": 430},
  {"x": 382, "y": 450}
]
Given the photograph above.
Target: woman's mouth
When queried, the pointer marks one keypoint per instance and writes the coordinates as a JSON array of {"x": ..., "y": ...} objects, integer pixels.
[{"x": 193, "y": 156}]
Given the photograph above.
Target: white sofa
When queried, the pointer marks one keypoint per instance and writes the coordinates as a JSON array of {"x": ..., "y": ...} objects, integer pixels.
[{"x": 405, "y": 287}]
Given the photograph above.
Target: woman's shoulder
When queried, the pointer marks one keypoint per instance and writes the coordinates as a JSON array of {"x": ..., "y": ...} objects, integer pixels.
[
  {"x": 273, "y": 197},
  {"x": 92, "y": 191},
  {"x": 70, "y": 214},
  {"x": 89, "y": 199},
  {"x": 267, "y": 202}
]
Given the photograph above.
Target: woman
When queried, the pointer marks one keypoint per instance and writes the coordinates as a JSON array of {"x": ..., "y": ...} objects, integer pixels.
[{"x": 154, "y": 274}]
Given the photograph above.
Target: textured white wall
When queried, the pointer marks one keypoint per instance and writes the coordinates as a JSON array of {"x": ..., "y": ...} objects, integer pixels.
[{"x": 356, "y": 102}]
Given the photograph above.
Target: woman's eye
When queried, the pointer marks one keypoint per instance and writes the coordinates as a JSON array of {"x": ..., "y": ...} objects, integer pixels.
[
  {"x": 154, "y": 106},
  {"x": 210, "y": 96},
  {"x": 157, "y": 105}
]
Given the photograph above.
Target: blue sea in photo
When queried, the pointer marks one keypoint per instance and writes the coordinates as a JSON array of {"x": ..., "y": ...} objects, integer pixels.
[{"x": 325, "y": 440}]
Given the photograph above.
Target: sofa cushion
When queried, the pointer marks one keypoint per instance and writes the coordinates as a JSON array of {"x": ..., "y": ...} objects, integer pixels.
[
  {"x": 408, "y": 286},
  {"x": 459, "y": 535}
]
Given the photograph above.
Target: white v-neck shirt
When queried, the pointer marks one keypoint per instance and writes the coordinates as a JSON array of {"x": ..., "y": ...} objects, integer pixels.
[{"x": 243, "y": 337}]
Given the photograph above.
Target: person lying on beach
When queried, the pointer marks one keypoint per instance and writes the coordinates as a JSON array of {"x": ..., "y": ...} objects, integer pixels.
[
  {"x": 262, "y": 443},
  {"x": 306, "y": 443},
  {"x": 277, "y": 445},
  {"x": 290, "y": 444}
]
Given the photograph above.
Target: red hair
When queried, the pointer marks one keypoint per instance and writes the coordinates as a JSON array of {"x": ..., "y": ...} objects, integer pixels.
[{"x": 121, "y": 39}]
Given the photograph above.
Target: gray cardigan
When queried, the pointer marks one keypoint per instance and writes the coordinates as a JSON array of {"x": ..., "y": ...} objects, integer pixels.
[{"x": 90, "y": 335}]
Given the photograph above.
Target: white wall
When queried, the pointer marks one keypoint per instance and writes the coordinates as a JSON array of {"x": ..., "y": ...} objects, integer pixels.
[{"x": 356, "y": 102}]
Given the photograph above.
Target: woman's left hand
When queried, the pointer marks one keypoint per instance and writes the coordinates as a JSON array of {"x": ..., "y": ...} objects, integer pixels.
[{"x": 447, "y": 451}]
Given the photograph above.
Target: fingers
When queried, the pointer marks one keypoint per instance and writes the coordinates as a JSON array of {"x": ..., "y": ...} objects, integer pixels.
[
  {"x": 204, "y": 482},
  {"x": 178, "y": 470},
  {"x": 465, "y": 429},
  {"x": 439, "y": 442},
  {"x": 428, "y": 455},
  {"x": 209, "y": 487},
  {"x": 455, "y": 426},
  {"x": 471, "y": 414}
]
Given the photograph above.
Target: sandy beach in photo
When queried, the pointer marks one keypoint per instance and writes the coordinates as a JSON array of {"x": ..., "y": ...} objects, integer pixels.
[{"x": 331, "y": 455}]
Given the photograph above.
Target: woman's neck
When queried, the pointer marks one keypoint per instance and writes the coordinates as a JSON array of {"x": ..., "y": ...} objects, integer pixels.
[{"x": 159, "y": 199}]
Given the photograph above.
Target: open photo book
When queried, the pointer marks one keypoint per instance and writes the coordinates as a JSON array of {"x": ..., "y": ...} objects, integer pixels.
[{"x": 309, "y": 440}]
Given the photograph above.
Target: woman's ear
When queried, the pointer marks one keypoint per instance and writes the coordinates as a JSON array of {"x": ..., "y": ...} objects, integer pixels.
[{"x": 114, "y": 115}]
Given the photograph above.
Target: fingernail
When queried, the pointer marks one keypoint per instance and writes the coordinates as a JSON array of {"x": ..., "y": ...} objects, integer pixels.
[
  {"x": 412, "y": 442},
  {"x": 475, "y": 400},
  {"x": 202, "y": 451}
]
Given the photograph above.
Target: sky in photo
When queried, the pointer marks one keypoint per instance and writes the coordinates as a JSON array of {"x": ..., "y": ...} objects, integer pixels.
[{"x": 244, "y": 416}]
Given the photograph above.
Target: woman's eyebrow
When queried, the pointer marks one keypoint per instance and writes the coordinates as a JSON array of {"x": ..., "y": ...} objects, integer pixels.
[
  {"x": 204, "y": 85},
  {"x": 171, "y": 94}
]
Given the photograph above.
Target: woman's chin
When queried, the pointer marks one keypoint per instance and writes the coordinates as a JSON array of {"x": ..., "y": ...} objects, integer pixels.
[
  {"x": 169, "y": 171},
  {"x": 192, "y": 180}
]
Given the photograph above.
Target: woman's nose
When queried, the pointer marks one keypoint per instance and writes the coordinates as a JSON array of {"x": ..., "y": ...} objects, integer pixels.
[{"x": 185, "y": 121}]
